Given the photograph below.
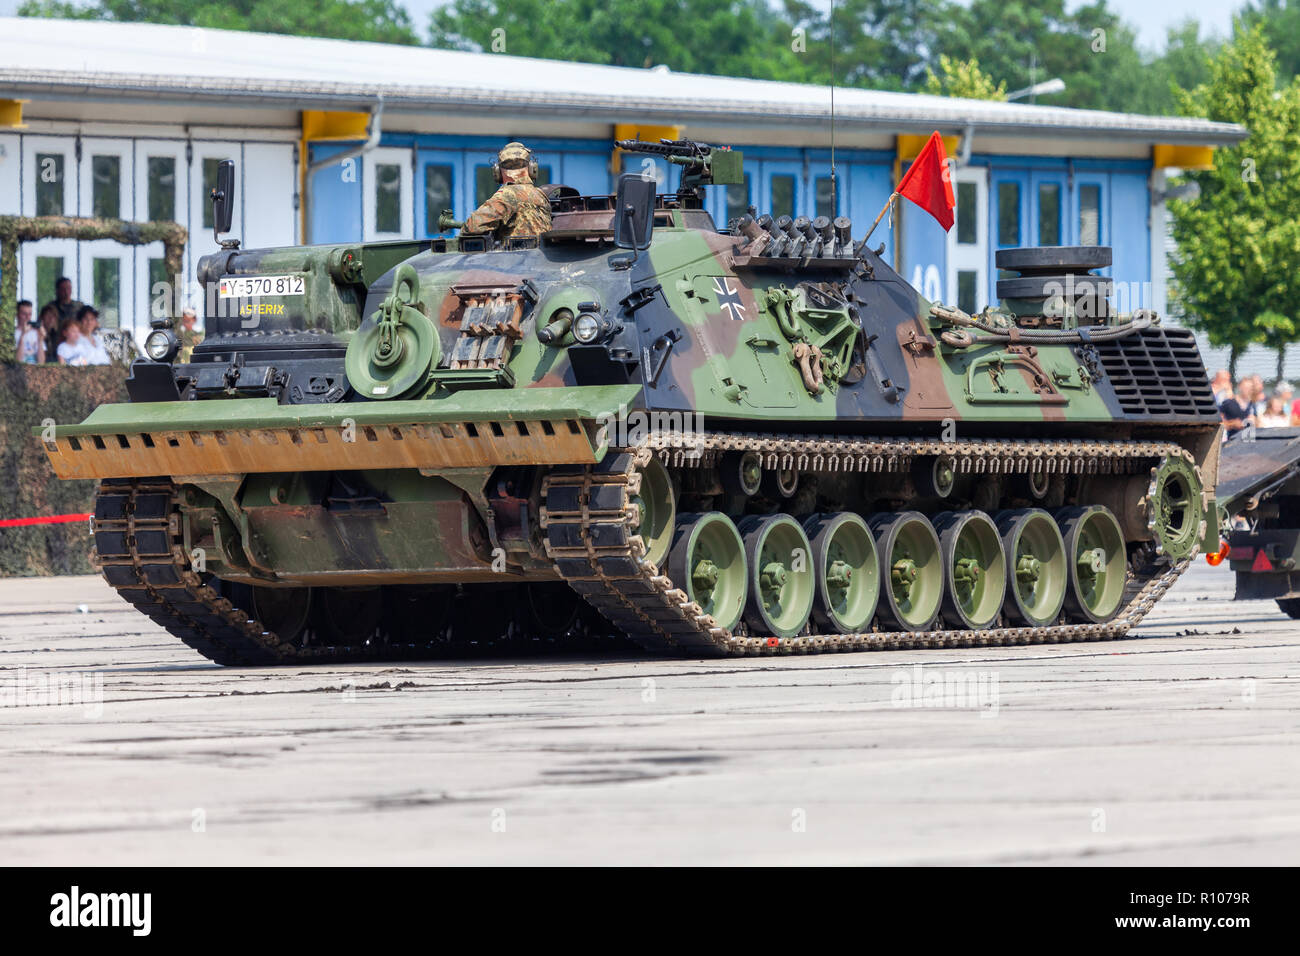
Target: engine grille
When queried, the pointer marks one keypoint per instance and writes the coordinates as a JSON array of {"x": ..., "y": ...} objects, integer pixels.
[{"x": 1158, "y": 372}]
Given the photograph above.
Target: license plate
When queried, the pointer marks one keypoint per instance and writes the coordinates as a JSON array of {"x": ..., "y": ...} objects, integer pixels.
[{"x": 250, "y": 287}]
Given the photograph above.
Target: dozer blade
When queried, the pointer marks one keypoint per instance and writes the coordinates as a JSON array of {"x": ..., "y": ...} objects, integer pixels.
[{"x": 239, "y": 436}]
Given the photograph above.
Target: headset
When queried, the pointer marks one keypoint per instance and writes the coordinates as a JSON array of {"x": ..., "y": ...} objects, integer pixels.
[{"x": 532, "y": 163}]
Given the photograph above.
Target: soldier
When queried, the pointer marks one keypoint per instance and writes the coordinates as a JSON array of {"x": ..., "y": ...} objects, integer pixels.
[
  {"x": 517, "y": 208},
  {"x": 190, "y": 336}
]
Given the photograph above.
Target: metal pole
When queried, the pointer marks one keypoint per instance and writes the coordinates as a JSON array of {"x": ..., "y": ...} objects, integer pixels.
[{"x": 892, "y": 197}]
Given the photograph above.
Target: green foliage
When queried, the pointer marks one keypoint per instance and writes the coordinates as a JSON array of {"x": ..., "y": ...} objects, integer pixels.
[
  {"x": 1238, "y": 264},
  {"x": 383, "y": 21},
  {"x": 964, "y": 79},
  {"x": 735, "y": 38},
  {"x": 30, "y": 394},
  {"x": 1280, "y": 21}
]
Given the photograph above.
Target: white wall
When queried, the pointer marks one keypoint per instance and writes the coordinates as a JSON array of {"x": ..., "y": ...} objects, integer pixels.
[{"x": 265, "y": 212}]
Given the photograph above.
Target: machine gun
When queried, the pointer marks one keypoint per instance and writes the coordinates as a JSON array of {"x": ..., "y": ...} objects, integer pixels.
[{"x": 702, "y": 164}]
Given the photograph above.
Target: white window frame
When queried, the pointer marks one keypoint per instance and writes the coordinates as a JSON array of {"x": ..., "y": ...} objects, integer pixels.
[
  {"x": 67, "y": 146},
  {"x": 387, "y": 156},
  {"x": 972, "y": 257},
  {"x": 95, "y": 146},
  {"x": 93, "y": 249},
  {"x": 28, "y": 252}
]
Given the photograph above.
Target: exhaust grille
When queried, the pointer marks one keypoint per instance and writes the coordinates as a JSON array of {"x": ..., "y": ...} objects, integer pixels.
[{"x": 1158, "y": 373}]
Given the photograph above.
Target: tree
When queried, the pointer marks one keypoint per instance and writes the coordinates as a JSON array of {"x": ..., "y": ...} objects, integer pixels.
[
  {"x": 964, "y": 79},
  {"x": 735, "y": 38},
  {"x": 382, "y": 21},
  {"x": 1280, "y": 21},
  {"x": 879, "y": 44},
  {"x": 1237, "y": 270}
]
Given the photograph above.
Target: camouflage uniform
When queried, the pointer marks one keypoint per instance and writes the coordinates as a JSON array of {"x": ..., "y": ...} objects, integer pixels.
[
  {"x": 189, "y": 338},
  {"x": 517, "y": 208}
]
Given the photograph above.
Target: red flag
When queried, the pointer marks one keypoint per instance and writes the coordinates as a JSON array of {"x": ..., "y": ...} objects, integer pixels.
[{"x": 926, "y": 182}]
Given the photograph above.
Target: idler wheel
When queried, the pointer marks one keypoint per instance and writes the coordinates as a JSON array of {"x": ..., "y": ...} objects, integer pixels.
[
  {"x": 1094, "y": 544},
  {"x": 911, "y": 570},
  {"x": 656, "y": 508},
  {"x": 782, "y": 578},
  {"x": 707, "y": 561},
  {"x": 975, "y": 569},
  {"x": 1176, "y": 513},
  {"x": 847, "y": 569},
  {"x": 1037, "y": 575}
]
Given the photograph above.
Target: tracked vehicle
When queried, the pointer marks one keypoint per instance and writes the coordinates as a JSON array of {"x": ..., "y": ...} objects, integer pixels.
[
  {"x": 1259, "y": 507},
  {"x": 755, "y": 439}
]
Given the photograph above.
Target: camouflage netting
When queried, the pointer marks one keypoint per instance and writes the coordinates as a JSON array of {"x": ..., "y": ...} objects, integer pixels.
[
  {"x": 28, "y": 488},
  {"x": 15, "y": 230}
]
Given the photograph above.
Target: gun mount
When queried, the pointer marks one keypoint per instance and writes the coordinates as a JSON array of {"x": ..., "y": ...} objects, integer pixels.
[{"x": 702, "y": 164}]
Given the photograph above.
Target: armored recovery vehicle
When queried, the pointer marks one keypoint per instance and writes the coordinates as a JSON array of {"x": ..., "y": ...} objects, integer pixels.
[
  {"x": 1259, "y": 503},
  {"x": 758, "y": 439}
]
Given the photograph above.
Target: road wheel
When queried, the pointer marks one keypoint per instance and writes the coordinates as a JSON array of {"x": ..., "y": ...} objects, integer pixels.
[
  {"x": 1094, "y": 545},
  {"x": 707, "y": 561},
  {"x": 911, "y": 570},
  {"x": 1037, "y": 575},
  {"x": 847, "y": 570},
  {"x": 975, "y": 569},
  {"x": 782, "y": 580}
]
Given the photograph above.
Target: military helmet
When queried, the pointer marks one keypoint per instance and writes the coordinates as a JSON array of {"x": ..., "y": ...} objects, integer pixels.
[{"x": 513, "y": 156}]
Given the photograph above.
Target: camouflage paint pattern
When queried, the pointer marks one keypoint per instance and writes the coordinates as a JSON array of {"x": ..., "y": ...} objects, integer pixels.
[
  {"x": 732, "y": 359},
  {"x": 514, "y": 210}
]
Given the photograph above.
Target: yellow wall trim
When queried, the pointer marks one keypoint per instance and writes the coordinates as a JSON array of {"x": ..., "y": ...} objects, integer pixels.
[
  {"x": 321, "y": 124},
  {"x": 644, "y": 132},
  {"x": 1164, "y": 155},
  {"x": 908, "y": 146},
  {"x": 11, "y": 114}
]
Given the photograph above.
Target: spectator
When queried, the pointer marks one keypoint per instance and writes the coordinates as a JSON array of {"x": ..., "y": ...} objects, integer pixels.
[
  {"x": 31, "y": 348},
  {"x": 91, "y": 343},
  {"x": 1237, "y": 411},
  {"x": 50, "y": 332},
  {"x": 190, "y": 336},
  {"x": 63, "y": 301},
  {"x": 1260, "y": 400},
  {"x": 1275, "y": 414},
  {"x": 1222, "y": 385},
  {"x": 70, "y": 349}
]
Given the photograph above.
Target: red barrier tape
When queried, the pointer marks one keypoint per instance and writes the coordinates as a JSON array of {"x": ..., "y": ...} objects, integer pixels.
[{"x": 52, "y": 519}]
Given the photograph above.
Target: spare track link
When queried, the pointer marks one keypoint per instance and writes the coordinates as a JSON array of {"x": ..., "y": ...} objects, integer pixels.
[{"x": 589, "y": 522}]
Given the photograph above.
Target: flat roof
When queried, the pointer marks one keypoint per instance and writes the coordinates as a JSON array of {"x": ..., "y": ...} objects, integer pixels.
[{"x": 90, "y": 60}]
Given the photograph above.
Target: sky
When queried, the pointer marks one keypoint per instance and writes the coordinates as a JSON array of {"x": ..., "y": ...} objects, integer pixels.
[{"x": 1150, "y": 17}]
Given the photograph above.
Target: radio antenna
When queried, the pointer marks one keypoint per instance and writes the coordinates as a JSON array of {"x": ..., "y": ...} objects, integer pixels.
[{"x": 834, "y": 207}]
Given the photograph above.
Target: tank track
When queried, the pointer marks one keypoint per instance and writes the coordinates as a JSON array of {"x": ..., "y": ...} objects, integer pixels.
[
  {"x": 139, "y": 550},
  {"x": 589, "y": 525}
]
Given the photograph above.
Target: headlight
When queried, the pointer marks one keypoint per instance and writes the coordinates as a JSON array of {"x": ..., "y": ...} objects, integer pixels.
[
  {"x": 587, "y": 328},
  {"x": 161, "y": 345}
]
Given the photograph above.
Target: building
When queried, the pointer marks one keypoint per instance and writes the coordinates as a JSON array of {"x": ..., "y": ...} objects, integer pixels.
[{"x": 339, "y": 141}]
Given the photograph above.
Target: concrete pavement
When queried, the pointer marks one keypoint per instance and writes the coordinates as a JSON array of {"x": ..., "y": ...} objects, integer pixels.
[{"x": 1181, "y": 746}]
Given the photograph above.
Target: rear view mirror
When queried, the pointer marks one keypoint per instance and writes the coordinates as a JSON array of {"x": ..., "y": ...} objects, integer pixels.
[
  {"x": 223, "y": 197},
  {"x": 634, "y": 212}
]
